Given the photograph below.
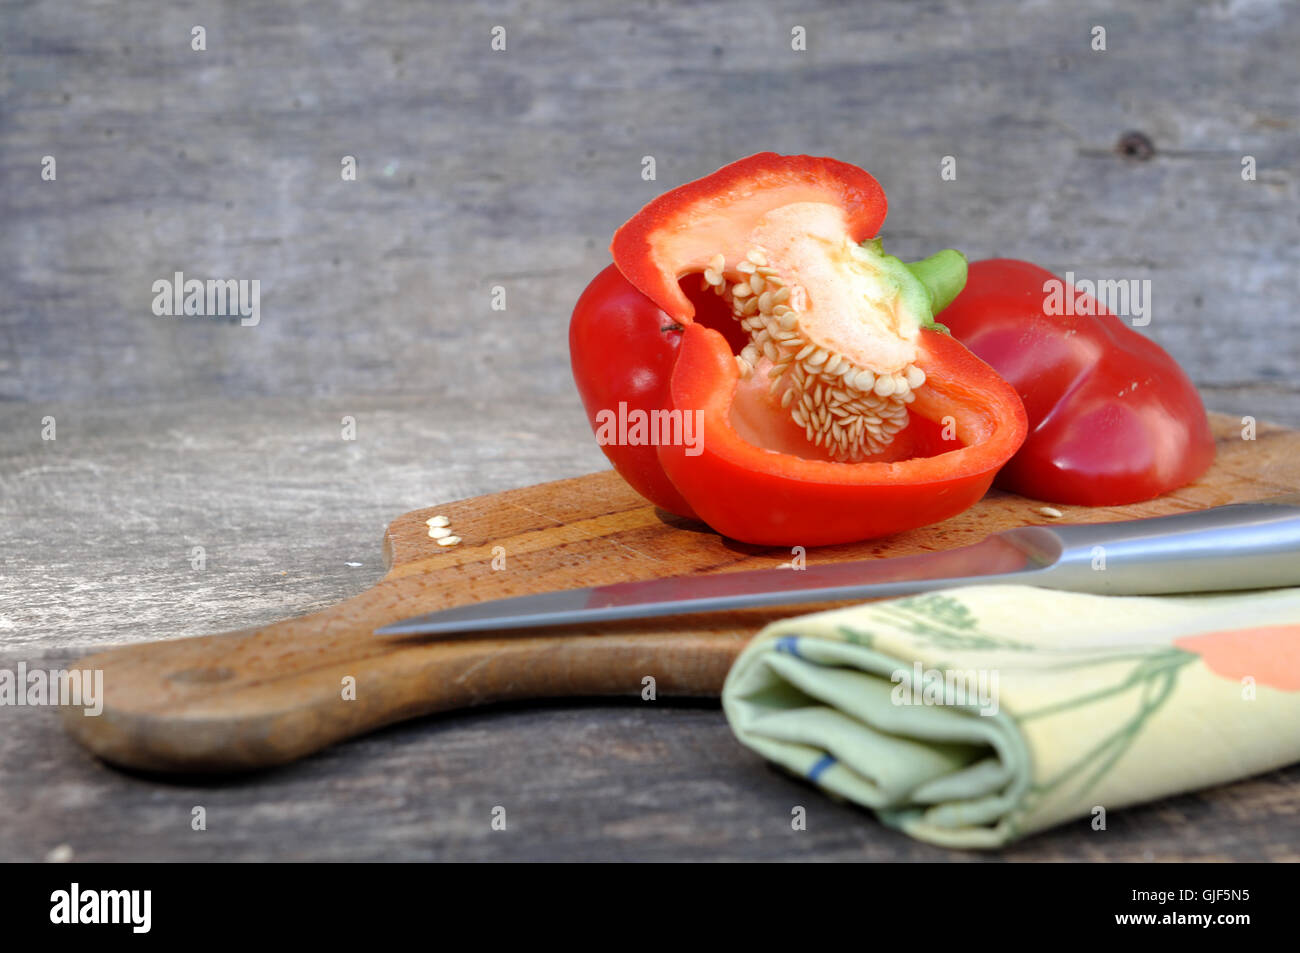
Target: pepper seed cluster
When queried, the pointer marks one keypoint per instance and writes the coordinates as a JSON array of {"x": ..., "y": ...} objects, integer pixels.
[{"x": 850, "y": 410}]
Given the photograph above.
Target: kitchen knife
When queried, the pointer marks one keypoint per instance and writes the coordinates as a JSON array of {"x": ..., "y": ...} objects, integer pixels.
[{"x": 1239, "y": 546}]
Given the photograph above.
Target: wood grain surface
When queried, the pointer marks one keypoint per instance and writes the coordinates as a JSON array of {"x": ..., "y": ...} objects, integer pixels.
[
  {"x": 268, "y": 695},
  {"x": 478, "y": 169}
]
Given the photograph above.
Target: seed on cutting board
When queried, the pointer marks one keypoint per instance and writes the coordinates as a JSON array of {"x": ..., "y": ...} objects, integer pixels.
[
  {"x": 449, "y": 541},
  {"x": 439, "y": 532},
  {"x": 1050, "y": 511},
  {"x": 438, "y": 520}
]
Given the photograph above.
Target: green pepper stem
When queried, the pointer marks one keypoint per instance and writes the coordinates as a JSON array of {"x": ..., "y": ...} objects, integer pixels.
[{"x": 943, "y": 274}]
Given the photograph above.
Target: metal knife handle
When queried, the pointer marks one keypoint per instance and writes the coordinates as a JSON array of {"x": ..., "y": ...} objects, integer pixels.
[{"x": 1239, "y": 546}]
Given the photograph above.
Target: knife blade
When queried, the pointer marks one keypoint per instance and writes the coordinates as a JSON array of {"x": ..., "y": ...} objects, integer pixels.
[{"x": 1238, "y": 546}]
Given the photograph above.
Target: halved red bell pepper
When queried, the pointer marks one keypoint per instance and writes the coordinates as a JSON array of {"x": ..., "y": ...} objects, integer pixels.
[
  {"x": 831, "y": 406},
  {"x": 1113, "y": 419}
]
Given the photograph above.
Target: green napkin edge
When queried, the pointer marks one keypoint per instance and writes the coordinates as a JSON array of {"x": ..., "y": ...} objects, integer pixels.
[{"x": 940, "y": 824}]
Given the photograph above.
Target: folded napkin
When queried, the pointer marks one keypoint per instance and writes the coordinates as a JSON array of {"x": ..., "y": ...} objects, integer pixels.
[{"x": 970, "y": 717}]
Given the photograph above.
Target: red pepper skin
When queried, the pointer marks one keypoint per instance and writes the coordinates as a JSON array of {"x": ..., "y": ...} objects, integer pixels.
[
  {"x": 765, "y": 497},
  {"x": 623, "y": 348},
  {"x": 1093, "y": 439},
  {"x": 649, "y": 249}
]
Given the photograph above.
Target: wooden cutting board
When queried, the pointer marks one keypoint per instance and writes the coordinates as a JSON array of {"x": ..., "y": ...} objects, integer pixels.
[{"x": 267, "y": 695}]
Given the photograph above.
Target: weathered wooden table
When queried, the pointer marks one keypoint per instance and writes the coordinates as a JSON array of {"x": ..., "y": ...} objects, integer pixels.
[{"x": 477, "y": 170}]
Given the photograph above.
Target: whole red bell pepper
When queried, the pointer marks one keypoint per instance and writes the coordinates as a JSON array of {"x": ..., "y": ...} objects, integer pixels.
[
  {"x": 1112, "y": 418},
  {"x": 754, "y": 359}
]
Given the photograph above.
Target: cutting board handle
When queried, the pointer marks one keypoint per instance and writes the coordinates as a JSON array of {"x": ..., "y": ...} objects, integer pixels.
[{"x": 265, "y": 696}]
